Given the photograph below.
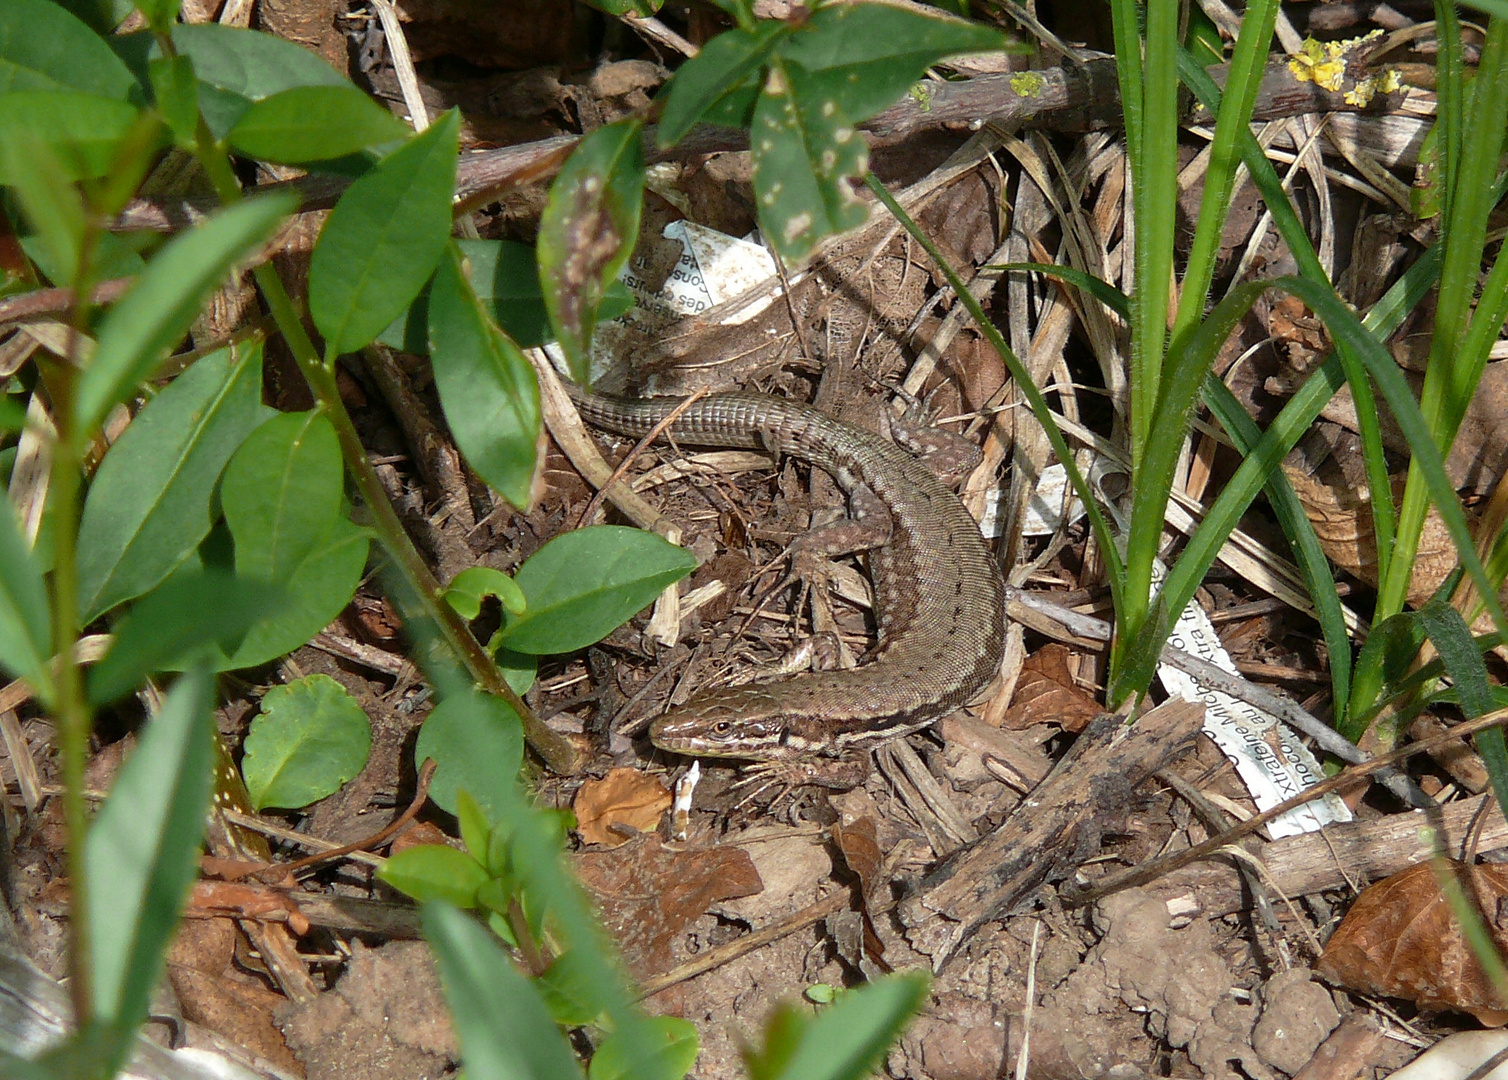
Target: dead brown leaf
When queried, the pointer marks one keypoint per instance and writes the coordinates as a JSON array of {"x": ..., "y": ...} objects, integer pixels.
[
  {"x": 1401, "y": 940},
  {"x": 624, "y": 802},
  {"x": 1046, "y": 693},
  {"x": 649, "y": 893}
]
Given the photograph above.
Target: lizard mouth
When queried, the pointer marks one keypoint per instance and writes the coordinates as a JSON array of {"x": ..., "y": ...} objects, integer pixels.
[{"x": 689, "y": 735}]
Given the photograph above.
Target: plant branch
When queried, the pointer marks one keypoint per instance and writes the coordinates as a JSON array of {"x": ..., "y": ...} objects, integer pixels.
[{"x": 556, "y": 752}]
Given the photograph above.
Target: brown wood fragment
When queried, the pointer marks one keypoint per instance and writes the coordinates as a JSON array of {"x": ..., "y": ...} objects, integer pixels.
[
  {"x": 1342, "y": 855},
  {"x": 1047, "y": 834}
]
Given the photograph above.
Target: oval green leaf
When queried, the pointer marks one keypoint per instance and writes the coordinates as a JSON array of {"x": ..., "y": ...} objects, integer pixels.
[
  {"x": 862, "y": 57},
  {"x": 583, "y": 585},
  {"x": 804, "y": 150},
  {"x": 435, "y": 872},
  {"x": 383, "y": 238},
  {"x": 314, "y": 123},
  {"x": 728, "y": 67},
  {"x": 310, "y": 738},
  {"x": 317, "y": 591},
  {"x": 477, "y": 743},
  {"x": 487, "y": 387},
  {"x": 505, "y": 277},
  {"x": 282, "y": 493},
  {"x": 237, "y": 67},
  {"x": 149, "y": 505},
  {"x": 44, "y": 47},
  {"x": 175, "y": 623},
  {"x": 82, "y": 130}
]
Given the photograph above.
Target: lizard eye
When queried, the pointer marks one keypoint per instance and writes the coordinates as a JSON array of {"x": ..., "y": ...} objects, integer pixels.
[{"x": 722, "y": 727}]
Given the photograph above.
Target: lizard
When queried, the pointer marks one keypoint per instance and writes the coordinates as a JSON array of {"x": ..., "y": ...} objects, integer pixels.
[{"x": 939, "y": 598}]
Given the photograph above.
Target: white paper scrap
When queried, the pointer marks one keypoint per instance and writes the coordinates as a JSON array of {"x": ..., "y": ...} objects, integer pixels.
[
  {"x": 712, "y": 267},
  {"x": 1269, "y": 758}
]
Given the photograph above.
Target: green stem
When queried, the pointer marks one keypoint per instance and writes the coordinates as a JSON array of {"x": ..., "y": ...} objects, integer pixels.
[
  {"x": 72, "y": 711},
  {"x": 556, "y": 751},
  {"x": 74, "y": 718}
]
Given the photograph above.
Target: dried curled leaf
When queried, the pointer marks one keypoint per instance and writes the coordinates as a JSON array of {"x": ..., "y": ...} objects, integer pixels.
[
  {"x": 1401, "y": 940},
  {"x": 624, "y": 802},
  {"x": 1047, "y": 692}
]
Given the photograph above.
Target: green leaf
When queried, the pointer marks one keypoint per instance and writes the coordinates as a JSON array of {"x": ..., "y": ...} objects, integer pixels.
[
  {"x": 51, "y": 203},
  {"x": 44, "y": 47},
  {"x": 383, "y": 238},
  {"x": 571, "y": 990},
  {"x": 727, "y": 70},
  {"x": 584, "y": 584},
  {"x": 149, "y": 505},
  {"x": 476, "y": 831},
  {"x": 845, "y": 1041},
  {"x": 25, "y": 625},
  {"x": 314, "y": 123},
  {"x": 315, "y": 593},
  {"x": 859, "y": 58},
  {"x": 587, "y": 232},
  {"x": 238, "y": 67},
  {"x": 1463, "y": 661},
  {"x": 282, "y": 494},
  {"x": 505, "y": 277},
  {"x": 151, "y": 318},
  {"x": 310, "y": 738},
  {"x": 803, "y": 149},
  {"x": 477, "y": 743},
  {"x": 176, "y": 623},
  {"x": 487, "y": 388},
  {"x": 470, "y": 587},
  {"x": 82, "y": 130},
  {"x": 175, "y": 90},
  {"x": 675, "y": 1042},
  {"x": 160, "y": 14},
  {"x": 435, "y": 872},
  {"x": 142, "y": 851},
  {"x": 504, "y": 1028}
]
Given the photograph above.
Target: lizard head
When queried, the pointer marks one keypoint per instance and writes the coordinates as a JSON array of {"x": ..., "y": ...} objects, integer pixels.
[{"x": 738, "y": 723}]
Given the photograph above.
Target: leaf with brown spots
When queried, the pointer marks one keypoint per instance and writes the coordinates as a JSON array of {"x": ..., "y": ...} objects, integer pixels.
[
  {"x": 624, "y": 802},
  {"x": 587, "y": 232},
  {"x": 1400, "y": 939}
]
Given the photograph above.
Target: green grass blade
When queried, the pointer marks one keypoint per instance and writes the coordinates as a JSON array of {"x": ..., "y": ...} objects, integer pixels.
[
  {"x": 1098, "y": 288},
  {"x": 1296, "y": 237},
  {"x": 1204, "y": 545},
  {"x": 1247, "y": 66},
  {"x": 1189, "y": 358},
  {"x": 1297, "y": 527},
  {"x": 1155, "y": 187}
]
